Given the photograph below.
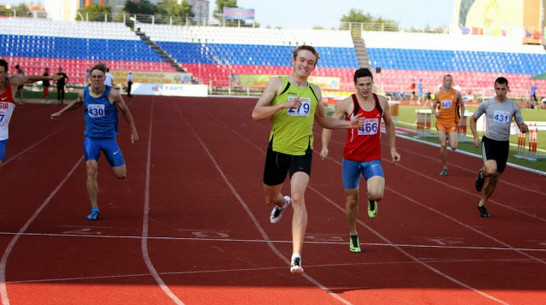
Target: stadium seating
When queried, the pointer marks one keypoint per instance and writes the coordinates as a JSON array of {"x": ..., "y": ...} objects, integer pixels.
[
  {"x": 76, "y": 46},
  {"x": 213, "y": 54},
  {"x": 474, "y": 61}
]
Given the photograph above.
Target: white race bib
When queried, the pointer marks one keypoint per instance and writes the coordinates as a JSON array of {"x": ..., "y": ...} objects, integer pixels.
[
  {"x": 303, "y": 110},
  {"x": 371, "y": 127},
  {"x": 501, "y": 117},
  {"x": 446, "y": 104},
  {"x": 95, "y": 110}
]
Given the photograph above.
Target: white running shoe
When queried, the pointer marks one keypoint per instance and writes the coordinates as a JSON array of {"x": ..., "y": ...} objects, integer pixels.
[
  {"x": 296, "y": 267},
  {"x": 276, "y": 213}
]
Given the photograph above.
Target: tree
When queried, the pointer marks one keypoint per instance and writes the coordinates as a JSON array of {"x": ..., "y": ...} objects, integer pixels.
[
  {"x": 219, "y": 11},
  {"x": 95, "y": 12},
  {"x": 366, "y": 22},
  {"x": 143, "y": 7},
  {"x": 172, "y": 8}
]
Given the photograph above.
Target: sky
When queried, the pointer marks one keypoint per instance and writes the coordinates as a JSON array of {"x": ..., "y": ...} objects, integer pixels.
[{"x": 305, "y": 14}]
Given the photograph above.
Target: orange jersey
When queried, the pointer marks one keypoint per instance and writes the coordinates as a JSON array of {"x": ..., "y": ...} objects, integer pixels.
[{"x": 448, "y": 107}]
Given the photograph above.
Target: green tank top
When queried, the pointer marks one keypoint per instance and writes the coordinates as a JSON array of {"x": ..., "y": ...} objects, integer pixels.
[{"x": 292, "y": 129}]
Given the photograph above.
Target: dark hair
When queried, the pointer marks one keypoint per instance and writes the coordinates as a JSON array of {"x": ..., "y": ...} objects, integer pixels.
[
  {"x": 362, "y": 72},
  {"x": 501, "y": 80},
  {"x": 308, "y": 48},
  {"x": 4, "y": 64},
  {"x": 100, "y": 66}
]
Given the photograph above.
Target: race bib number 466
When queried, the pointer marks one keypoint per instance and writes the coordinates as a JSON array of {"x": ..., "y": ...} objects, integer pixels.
[
  {"x": 95, "y": 110},
  {"x": 501, "y": 117},
  {"x": 371, "y": 127},
  {"x": 303, "y": 110}
]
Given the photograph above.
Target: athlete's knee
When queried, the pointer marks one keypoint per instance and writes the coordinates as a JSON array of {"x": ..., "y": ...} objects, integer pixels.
[
  {"x": 375, "y": 195},
  {"x": 92, "y": 170},
  {"x": 297, "y": 199}
]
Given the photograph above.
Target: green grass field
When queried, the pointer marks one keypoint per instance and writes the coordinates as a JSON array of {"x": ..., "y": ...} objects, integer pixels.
[{"x": 408, "y": 117}]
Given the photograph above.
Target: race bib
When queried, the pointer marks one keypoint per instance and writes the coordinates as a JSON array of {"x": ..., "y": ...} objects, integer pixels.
[
  {"x": 501, "y": 117},
  {"x": 303, "y": 110},
  {"x": 446, "y": 104},
  {"x": 95, "y": 110},
  {"x": 3, "y": 112},
  {"x": 371, "y": 127}
]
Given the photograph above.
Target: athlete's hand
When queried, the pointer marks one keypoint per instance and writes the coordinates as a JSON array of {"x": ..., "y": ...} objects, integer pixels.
[
  {"x": 357, "y": 121},
  {"x": 324, "y": 153},
  {"x": 395, "y": 155},
  {"x": 477, "y": 141},
  {"x": 294, "y": 103},
  {"x": 55, "y": 115},
  {"x": 524, "y": 128},
  {"x": 134, "y": 136}
]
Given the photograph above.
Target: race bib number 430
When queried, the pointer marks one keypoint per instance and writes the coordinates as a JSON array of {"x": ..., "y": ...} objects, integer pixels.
[
  {"x": 303, "y": 110},
  {"x": 371, "y": 127},
  {"x": 95, "y": 110}
]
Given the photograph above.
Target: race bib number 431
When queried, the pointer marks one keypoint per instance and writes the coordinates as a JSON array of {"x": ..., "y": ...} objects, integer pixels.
[
  {"x": 502, "y": 117},
  {"x": 371, "y": 127}
]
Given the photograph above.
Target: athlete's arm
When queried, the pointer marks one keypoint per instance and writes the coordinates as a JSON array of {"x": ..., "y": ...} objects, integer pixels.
[
  {"x": 434, "y": 104},
  {"x": 326, "y": 121},
  {"x": 389, "y": 127},
  {"x": 461, "y": 104},
  {"x": 73, "y": 105},
  {"x": 263, "y": 108},
  {"x": 116, "y": 98},
  {"x": 339, "y": 113}
]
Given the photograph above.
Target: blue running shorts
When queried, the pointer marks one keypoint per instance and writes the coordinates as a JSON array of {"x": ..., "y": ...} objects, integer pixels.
[
  {"x": 109, "y": 147},
  {"x": 3, "y": 144},
  {"x": 351, "y": 171}
]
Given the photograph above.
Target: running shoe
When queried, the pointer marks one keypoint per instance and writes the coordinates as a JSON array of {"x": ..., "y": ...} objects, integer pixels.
[
  {"x": 443, "y": 172},
  {"x": 94, "y": 215},
  {"x": 483, "y": 211},
  {"x": 372, "y": 208},
  {"x": 295, "y": 267},
  {"x": 354, "y": 244},
  {"x": 276, "y": 213},
  {"x": 479, "y": 181}
]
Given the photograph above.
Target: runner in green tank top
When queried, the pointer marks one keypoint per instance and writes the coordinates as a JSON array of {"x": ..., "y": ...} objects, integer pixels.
[{"x": 293, "y": 104}]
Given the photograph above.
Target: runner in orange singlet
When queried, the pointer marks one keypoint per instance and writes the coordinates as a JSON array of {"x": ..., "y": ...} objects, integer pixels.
[{"x": 448, "y": 107}]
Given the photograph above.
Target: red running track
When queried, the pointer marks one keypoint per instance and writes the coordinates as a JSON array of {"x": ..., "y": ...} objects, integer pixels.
[{"x": 189, "y": 224}]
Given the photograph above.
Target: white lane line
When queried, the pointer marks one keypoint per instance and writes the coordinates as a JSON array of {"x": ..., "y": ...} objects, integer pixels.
[
  {"x": 3, "y": 262},
  {"x": 261, "y": 241},
  {"x": 256, "y": 223},
  {"x": 146, "y": 218}
]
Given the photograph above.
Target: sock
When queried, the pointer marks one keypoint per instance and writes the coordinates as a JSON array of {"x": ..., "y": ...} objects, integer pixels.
[{"x": 94, "y": 209}]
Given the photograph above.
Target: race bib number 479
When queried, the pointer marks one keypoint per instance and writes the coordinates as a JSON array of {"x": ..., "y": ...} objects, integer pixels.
[{"x": 371, "y": 127}]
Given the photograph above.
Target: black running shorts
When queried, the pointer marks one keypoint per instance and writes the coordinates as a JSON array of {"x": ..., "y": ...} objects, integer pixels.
[
  {"x": 278, "y": 165},
  {"x": 495, "y": 150}
]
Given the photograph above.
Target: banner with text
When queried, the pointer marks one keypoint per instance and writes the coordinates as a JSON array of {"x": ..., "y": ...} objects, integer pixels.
[
  {"x": 260, "y": 81},
  {"x": 120, "y": 77},
  {"x": 169, "y": 89}
]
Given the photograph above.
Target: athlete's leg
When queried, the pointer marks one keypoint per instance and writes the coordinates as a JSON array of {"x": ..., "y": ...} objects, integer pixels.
[
  {"x": 376, "y": 188},
  {"x": 298, "y": 185},
  {"x": 351, "y": 209},
  {"x": 443, "y": 148},
  {"x": 92, "y": 183},
  {"x": 453, "y": 140},
  {"x": 120, "y": 171},
  {"x": 273, "y": 195}
]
